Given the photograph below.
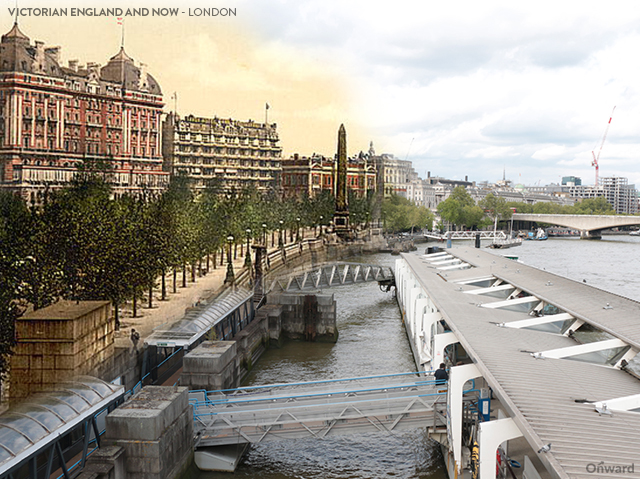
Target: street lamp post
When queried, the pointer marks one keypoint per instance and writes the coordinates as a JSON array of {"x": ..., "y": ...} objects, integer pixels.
[
  {"x": 280, "y": 241},
  {"x": 321, "y": 222},
  {"x": 247, "y": 258},
  {"x": 230, "y": 278},
  {"x": 298, "y": 230},
  {"x": 264, "y": 234}
]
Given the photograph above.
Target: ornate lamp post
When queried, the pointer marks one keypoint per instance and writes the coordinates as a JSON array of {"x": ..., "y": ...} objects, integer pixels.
[
  {"x": 280, "y": 241},
  {"x": 298, "y": 230},
  {"x": 247, "y": 258},
  {"x": 264, "y": 234},
  {"x": 230, "y": 278}
]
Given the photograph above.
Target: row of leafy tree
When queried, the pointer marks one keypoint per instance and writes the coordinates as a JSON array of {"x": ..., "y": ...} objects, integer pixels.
[
  {"x": 462, "y": 211},
  {"x": 84, "y": 244}
]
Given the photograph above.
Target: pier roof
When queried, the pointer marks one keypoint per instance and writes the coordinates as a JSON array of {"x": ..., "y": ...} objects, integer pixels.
[{"x": 545, "y": 397}]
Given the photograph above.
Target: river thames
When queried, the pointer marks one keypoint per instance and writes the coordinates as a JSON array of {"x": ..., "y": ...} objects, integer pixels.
[{"x": 373, "y": 341}]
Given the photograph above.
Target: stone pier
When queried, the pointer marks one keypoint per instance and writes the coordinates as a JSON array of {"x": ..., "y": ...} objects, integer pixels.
[
  {"x": 213, "y": 365},
  {"x": 307, "y": 317},
  {"x": 59, "y": 342},
  {"x": 155, "y": 429}
]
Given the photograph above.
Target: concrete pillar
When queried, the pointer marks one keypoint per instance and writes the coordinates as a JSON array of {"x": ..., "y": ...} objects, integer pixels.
[
  {"x": 105, "y": 463},
  {"x": 155, "y": 428},
  {"x": 595, "y": 234},
  {"x": 307, "y": 317},
  {"x": 213, "y": 365},
  {"x": 490, "y": 435}
]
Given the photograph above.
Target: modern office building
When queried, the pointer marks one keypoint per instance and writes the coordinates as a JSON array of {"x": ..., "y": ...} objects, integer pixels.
[
  {"x": 571, "y": 180},
  {"x": 235, "y": 154},
  {"x": 55, "y": 118}
]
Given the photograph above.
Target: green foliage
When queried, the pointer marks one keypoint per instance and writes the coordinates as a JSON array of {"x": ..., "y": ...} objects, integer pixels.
[
  {"x": 83, "y": 244},
  {"x": 399, "y": 214},
  {"x": 461, "y": 210},
  {"x": 496, "y": 208},
  {"x": 593, "y": 206}
]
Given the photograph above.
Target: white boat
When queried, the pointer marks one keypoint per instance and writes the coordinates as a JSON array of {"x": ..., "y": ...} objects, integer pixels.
[
  {"x": 219, "y": 458},
  {"x": 635, "y": 233}
]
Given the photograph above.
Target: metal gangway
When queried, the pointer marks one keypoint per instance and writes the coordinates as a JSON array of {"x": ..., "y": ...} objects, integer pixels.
[
  {"x": 332, "y": 275},
  {"x": 317, "y": 409},
  {"x": 466, "y": 235}
]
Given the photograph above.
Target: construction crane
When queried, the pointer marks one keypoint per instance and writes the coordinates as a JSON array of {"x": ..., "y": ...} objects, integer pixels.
[{"x": 604, "y": 137}]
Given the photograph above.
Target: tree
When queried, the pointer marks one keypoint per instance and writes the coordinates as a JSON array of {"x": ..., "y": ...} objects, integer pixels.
[
  {"x": 496, "y": 208},
  {"x": 399, "y": 214},
  {"x": 460, "y": 209},
  {"x": 593, "y": 206},
  {"x": 14, "y": 242}
]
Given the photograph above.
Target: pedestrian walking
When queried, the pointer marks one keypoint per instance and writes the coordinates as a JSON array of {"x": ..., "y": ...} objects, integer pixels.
[{"x": 135, "y": 337}]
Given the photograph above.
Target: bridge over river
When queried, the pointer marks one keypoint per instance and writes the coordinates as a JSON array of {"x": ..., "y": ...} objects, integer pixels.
[{"x": 589, "y": 226}]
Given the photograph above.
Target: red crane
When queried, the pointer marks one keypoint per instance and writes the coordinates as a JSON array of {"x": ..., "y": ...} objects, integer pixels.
[{"x": 604, "y": 137}]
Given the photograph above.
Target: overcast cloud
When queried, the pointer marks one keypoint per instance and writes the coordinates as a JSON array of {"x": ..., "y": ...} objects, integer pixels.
[{"x": 472, "y": 87}]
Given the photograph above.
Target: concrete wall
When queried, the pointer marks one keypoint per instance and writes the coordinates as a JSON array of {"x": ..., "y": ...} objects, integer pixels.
[
  {"x": 155, "y": 428},
  {"x": 252, "y": 341},
  {"x": 59, "y": 342}
]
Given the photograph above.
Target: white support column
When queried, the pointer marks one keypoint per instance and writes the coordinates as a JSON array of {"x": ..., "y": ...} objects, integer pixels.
[
  {"x": 458, "y": 376},
  {"x": 428, "y": 321},
  {"x": 420, "y": 306},
  {"x": 628, "y": 357},
  {"x": 574, "y": 326},
  {"x": 490, "y": 435},
  {"x": 440, "y": 342},
  {"x": 411, "y": 308}
]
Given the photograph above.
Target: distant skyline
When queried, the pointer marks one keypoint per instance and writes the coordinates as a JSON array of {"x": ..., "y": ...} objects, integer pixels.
[{"x": 460, "y": 89}]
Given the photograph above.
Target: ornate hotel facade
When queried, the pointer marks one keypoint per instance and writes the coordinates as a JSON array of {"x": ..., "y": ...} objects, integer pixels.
[
  {"x": 310, "y": 175},
  {"x": 235, "y": 153},
  {"x": 55, "y": 119}
]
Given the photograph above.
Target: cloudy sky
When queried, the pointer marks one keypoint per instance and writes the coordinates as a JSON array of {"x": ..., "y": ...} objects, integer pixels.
[{"x": 464, "y": 88}]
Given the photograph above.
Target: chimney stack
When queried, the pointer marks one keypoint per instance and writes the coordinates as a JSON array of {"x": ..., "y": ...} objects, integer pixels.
[{"x": 54, "y": 52}]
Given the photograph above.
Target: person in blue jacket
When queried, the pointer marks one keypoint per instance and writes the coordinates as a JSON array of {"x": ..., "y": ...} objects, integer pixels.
[{"x": 441, "y": 375}]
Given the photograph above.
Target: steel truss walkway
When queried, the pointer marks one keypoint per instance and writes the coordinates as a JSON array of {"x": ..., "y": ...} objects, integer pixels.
[
  {"x": 332, "y": 275},
  {"x": 466, "y": 235},
  {"x": 317, "y": 409}
]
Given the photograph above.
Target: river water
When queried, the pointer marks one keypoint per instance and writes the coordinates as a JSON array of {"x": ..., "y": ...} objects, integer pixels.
[{"x": 373, "y": 341}]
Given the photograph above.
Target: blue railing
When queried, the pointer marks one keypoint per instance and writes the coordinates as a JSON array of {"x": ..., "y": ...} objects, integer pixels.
[
  {"x": 325, "y": 381},
  {"x": 294, "y": 406},
  {"x": 218, "y": 397}
]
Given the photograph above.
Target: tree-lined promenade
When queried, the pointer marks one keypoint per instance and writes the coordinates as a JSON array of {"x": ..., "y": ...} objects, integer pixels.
[{"x": 83, "y": 244}]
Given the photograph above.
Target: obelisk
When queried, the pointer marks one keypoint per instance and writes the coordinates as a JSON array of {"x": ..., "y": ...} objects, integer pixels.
[{"x": 341, "y": 216}]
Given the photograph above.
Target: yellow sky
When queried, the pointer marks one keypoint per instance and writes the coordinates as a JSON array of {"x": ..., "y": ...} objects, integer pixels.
[{"x": 219, "y": 68}]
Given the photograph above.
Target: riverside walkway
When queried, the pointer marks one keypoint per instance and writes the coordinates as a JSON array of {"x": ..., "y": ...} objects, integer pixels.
[{"x": 573, "y": 401}]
